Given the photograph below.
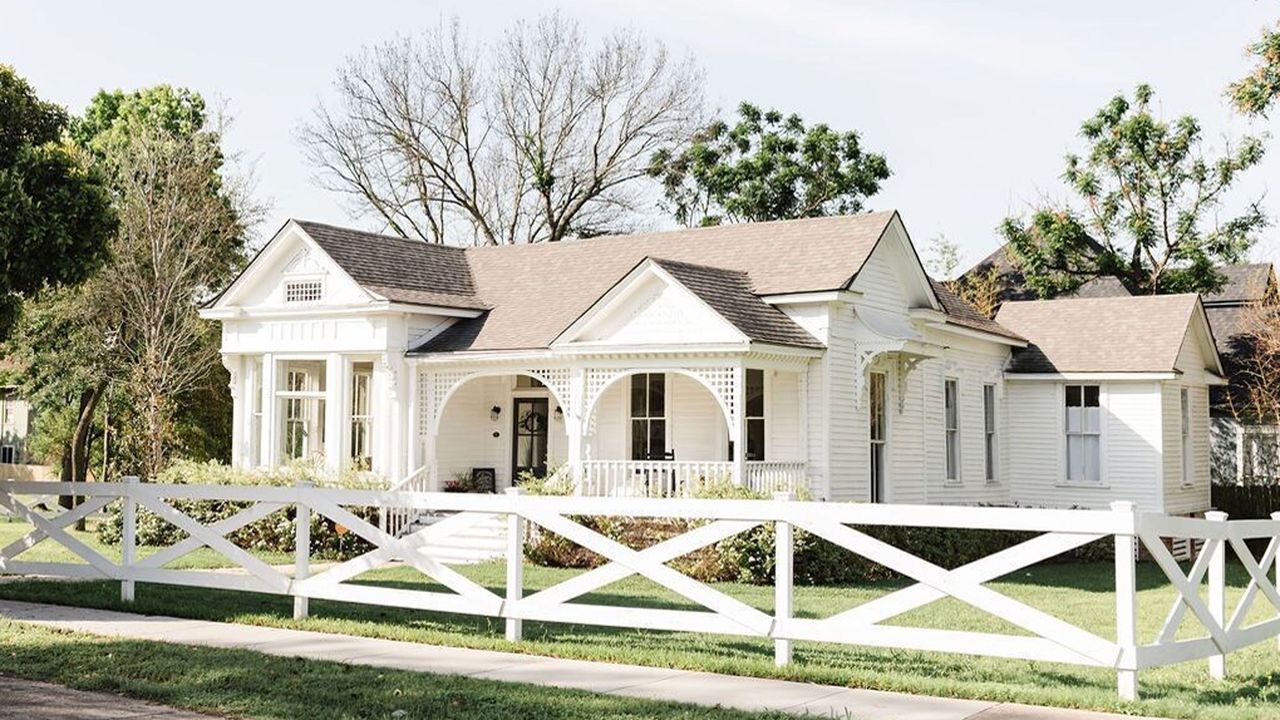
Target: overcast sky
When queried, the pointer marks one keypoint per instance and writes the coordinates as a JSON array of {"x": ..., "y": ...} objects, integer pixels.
[{"x": 973, "y": 103}]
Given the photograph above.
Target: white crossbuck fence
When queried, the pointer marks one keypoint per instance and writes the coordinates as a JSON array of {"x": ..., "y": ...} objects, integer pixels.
[{"x": 1045, "y": 637}]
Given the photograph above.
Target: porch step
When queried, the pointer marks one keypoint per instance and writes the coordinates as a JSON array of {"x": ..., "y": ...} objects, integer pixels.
[{"x": 486, "y": 540}]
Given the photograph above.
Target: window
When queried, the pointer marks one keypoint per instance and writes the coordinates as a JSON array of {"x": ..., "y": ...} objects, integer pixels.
[
  {"x": 299, "y": 291},
  {"x": 649, "y": 417},
  {"x": 951, "y": 418},
  {"x": 255, "y": 415},
  {"x": 989, "y": 429},
  {"x": 302, "y": 409},
  {"x": 1084, "y": 434},
  {"x": 1188, "y": 461},
  {"x": 8, "y": 455},
  {"x": 755, "y": 414},
  {"x": 361, "y": 455},
  {"x": 878, "y": 434},
  {"x": 528, "y": 382}
]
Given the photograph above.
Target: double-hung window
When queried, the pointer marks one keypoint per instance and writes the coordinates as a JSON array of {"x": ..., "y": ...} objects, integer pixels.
[
  {"x": 649, "y": 416},
  {"x": 1084, "y": 434},
  {"x": 878, "y": 434},
  {"x": 990, "y": 447},
  {"x": 755, "y": 414},
  {"x": 951, "y": 418},
  {"x": 1188, "y": 460},
  {"x": 361, "y": 454}
]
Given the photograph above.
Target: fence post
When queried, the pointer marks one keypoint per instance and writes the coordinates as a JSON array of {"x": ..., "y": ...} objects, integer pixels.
[
  {"x": 1218, "y": 594},
  {"x": 1126, "y": 568},
  {"x": 515, "y": 565},
  {"x": 783, "y": 581},
  {"x": 128, "y": 538},
  {"x": 301, "y": 550},
  {"x": 1276, "y": 578}
]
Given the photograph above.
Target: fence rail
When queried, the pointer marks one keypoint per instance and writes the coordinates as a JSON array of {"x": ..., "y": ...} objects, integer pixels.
[{"x": 1045, "y": 638}]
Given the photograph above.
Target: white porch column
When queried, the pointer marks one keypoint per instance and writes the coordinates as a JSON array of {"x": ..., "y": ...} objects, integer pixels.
[
  {"x": 576, "y": 421},
  {"x": 235, "y": 365},
  {"x": 738, "y": 425},
  {"x": 396, "y": 401},
  {"x": 429, "y": 427},
  {"x": 335, "y": 375},
  {"x": 269, "y": 412},
  {"x": 413, "y": 411}
]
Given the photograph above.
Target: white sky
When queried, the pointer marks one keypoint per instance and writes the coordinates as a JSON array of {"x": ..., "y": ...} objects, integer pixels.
[{"x": 973, "y": 103}]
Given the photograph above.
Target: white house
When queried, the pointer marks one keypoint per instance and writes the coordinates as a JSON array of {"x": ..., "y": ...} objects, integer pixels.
[{"x": 809, "y": 352}]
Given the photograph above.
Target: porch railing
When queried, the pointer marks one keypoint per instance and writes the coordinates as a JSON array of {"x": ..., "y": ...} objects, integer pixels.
[{"x": 680, "y": 478}]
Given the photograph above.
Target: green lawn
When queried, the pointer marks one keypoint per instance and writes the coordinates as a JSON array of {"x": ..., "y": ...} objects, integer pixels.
[
  {"x": 243, "y": 683},
  {"x": 1078, "y": 593},
  {"x": 50, "y": 551}
]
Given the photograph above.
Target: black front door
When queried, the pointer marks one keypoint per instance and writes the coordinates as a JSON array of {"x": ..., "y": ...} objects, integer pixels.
[{"x": 529, "y": 437}]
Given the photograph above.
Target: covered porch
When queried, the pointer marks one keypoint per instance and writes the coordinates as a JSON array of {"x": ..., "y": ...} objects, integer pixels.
[{"x": 643, "y": 428}]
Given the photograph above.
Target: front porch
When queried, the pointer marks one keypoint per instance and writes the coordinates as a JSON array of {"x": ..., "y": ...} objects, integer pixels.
[{"x": 647, "y": 428}]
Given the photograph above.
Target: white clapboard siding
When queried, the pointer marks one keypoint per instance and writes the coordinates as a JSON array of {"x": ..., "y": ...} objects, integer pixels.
[
  {"x": 783, "y": 421},
  {"x": 846, "y": 417}
]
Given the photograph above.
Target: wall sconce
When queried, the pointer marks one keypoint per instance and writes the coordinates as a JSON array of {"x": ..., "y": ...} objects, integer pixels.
[
  {"x": 559, "y": 414},
  {"x": 495, "y": 412}
]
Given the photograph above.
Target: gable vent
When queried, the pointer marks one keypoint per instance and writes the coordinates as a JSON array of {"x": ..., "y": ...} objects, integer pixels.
[{"x": 300, "y": 291}]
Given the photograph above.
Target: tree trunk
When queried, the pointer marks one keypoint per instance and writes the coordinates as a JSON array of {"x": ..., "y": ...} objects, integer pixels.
[{"x": 75, "y": 457}]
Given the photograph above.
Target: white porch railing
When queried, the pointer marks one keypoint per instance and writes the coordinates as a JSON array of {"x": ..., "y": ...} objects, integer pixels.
[
  {"x": 680, "y": 478},
  {"x": 1196, "y": 627},
  {"x": 394, "y": 520}
]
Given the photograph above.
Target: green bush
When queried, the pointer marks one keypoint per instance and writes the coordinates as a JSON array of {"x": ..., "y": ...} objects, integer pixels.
[{"x": 274, "y": 533}]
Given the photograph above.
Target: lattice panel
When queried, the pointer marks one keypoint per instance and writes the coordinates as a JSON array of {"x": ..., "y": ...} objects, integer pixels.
[
  {"x": 557, "y": 380},
  {"x": 443, "y": 382},
  {"x": 719, "y": 380}
]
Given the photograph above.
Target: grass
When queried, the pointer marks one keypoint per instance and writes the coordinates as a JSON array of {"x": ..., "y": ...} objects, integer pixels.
[
  {"x": 243, "y": 683},
  {"x": 1078, "y": 593}
]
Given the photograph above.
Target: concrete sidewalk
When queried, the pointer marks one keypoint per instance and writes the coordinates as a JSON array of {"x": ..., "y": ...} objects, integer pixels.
[{"x": 698, "y": 688}]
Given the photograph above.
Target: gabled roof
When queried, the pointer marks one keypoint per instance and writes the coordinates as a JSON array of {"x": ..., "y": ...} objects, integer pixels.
[
  {"x": 960, "y": 312},
  {"x": 534, "y": 292},
  {"x": 1245, "y": 283},
  {"x": 1100, "y": 287},
  {"x": 1139, "y": 334},
  {"x": 728, "y": 292},
  {"x": 400, "y": 270}
]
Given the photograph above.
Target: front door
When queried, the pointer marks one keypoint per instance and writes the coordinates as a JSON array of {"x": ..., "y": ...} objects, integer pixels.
[{"x": 529, "y": 437}]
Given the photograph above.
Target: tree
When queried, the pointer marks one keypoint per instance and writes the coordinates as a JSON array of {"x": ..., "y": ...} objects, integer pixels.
[
  {"x": 1255, "y": 94},
  {"x": 537, "y": 137},
  {"x": 981, "y": 288},
  {"x": 55, "y": 214},
  {"x": 767, "y": 166},
  {"x": 1150, "y": 204}
]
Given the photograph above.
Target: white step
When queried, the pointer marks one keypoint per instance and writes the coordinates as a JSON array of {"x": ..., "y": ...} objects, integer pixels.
[{"x": 486, "y": 540}]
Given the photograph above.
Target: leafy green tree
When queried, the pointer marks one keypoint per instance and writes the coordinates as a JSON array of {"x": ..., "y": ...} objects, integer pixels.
[
  {"x": 55, "y": 213},
  {"x": 767, "y": 166},
  {"x": 1149, "y": 208},
  {"x": 1255, "y": 94}
]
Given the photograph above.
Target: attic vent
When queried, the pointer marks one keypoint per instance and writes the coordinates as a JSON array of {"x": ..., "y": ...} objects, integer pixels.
[{"x": 299, "y": 291}]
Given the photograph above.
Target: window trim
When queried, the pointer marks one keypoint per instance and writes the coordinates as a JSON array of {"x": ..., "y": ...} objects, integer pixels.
[
  {"x": 991, "y": 434},
  {"x": 12, "y": 451},
  {"x": 1187, "y": 449},
  {"x": 763, "y": 417},
  {"x": 1063, "y": 480},
  {"x": 883, "y": 442},
  {"x": 311, "y": 297},
  {"x": 949, "y": 432},
  {"x": 631, "y": 417}
]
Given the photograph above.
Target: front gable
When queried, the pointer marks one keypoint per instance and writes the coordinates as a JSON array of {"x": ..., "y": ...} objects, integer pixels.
[
  {"x": 291, "y": 273},
  {"x": 649, "y": 307},
  {"x": 1198, "y": 356},
  {"x": 893, "y": 278}
]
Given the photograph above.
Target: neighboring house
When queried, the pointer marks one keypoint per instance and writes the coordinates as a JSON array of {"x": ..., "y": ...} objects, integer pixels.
[
  {"x": 812, "y": 353},
  {"x": 16, "y": 418},
  {"x": 1243, "y": 449}
]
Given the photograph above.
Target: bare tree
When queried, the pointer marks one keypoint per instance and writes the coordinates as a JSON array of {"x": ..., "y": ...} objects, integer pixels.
[{"x": 534, "y": 137}]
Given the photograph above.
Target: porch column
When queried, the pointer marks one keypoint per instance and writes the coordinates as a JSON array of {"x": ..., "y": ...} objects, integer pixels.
[
  {"x": 334, "y": 410},
  {"x": 738, "y": 425},
  {"x": 576, "y": 422},
  {"x": 428, "y": 429},
  {"x": 412, "y": 426},
  {"x": 235, "y": 365},
  {"x": 396, "y": 418},
  {"x": 267, "y": 442}
]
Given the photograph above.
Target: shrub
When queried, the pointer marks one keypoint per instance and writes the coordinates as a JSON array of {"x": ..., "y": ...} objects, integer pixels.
[{"x": 274, "y": 533}]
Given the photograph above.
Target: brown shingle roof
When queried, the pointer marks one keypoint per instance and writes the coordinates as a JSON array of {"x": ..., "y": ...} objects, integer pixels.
[
  {"x": 960, "y": 312},
  {"x": 404, "y": 271},
  {"x": 1100, "y": 287},
  {"x": 536, "y": 291},
  {"x": 1117, "y": 334},
  {"x": 1245, "y": 283},
  {"x": 728, "y": 292}
]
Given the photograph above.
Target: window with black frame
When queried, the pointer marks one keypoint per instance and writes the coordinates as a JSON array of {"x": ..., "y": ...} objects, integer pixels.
[
  {"x": 649, "y": 417},
  {"x": 754, "y": 416}
]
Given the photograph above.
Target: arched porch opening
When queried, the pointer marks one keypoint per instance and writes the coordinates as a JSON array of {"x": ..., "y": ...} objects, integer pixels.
[{"x": 492, "y": 427}]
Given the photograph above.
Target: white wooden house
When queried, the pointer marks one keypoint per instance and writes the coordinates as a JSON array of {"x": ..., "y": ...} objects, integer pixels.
[{"x": 810, "y": 353}]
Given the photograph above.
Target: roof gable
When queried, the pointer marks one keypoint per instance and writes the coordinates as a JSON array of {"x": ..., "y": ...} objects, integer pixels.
[{"x": 1116, "y": 334}]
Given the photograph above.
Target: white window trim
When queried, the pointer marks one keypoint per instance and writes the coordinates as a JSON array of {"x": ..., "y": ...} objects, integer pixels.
[
  {"x": 1186, "y": 432},
  {"x": 888, "y": 433},
  {"x": 666, "y": 410},
  {"x": 994, "y": 433},
  {"x": 958, "y": 480},
  {"x": 295, "y": 280},
  {"x": 1104, "y": 481},
  {"x": 12, "y": 451}
]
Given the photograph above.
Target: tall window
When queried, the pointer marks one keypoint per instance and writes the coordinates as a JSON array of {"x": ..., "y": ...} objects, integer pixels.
[
  {"x": 1084, "y": 434},
  {"x": 8, "y": 455},
  {"x": 255, "y": 415},
  {"x": 302, "y": 409},
  {"x": 951, "y": 418},
  {"x": 878, "y": 435},
  {"x": 1184, "y": 397},
  {"x": 989, "y": 429},
  {"x": 649, "y": 417},
  {"x": 755, "y": 414},
  {"x": 361, "y": 416}
]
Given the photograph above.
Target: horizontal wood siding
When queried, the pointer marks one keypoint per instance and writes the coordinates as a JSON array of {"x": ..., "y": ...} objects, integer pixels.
[
  {"x": 697, "y": 427},
  {"x": 847, "y": 424},
  {"x": 1180, "y": 498},
  {"x": 783, "y": 419},
  {"x": 972, "y": 366}
]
